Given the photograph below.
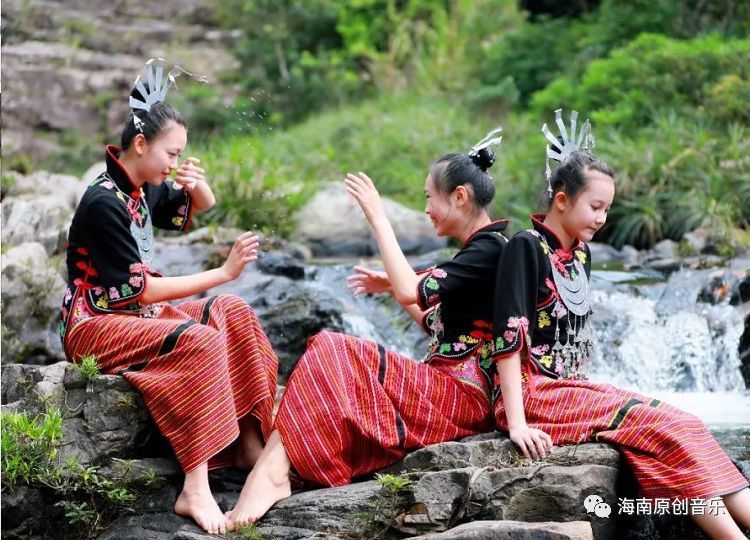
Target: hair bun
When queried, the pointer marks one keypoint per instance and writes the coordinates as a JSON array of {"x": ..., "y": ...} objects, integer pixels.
[{"x": 483, "y": 158}]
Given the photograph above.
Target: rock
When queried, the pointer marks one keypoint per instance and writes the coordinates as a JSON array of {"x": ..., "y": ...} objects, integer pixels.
[
  {"x": 478, "y": 472},
  {"x": 604, "y": 253},
  {"x": 93, "y": 172},
  {"x": 104, "y": 419},
  {"x": 666, "y": 249},
  {"x": 69, "y": 67},
  {"x": 666, "y": 265},
  {"x": 291, "y": 314},
  {"x": 318, "y": 224},
  {"x": 630, "y": 256},
  {"x": 697, "y": 240},
  {"x": 515, "y": 530},
  {"x": 744, "y": 352},
  {"x": 732, "y": 286},
  {"x": 24, "y": 513},
  {"x": 39, "y": 208},
  {"x": 281, "y": 264},
  {"x": 32, "y": 292}
]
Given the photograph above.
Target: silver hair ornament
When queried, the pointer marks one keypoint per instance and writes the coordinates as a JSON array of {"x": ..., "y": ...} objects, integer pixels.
[
  {"x": 583, "y": 140},
  {"x": 158, "y": 84},
  {"x": 137, "y": 122},
  {"x": 488, "y": 140}
]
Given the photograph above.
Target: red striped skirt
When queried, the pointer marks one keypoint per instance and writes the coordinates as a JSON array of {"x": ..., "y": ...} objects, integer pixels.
[
  {"x": 200, "y": 367},
  {"x": 672, "y": 453},
  {"x": 351, "y": 407}
]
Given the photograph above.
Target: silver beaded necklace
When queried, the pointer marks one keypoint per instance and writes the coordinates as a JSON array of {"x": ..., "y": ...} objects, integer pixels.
[
  {"x": 571, "y": 359},
  {"x": 143, "y": 234}
]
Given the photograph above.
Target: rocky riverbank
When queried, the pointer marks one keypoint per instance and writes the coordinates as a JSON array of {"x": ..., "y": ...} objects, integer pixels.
[{"x": 475, "y": 488}]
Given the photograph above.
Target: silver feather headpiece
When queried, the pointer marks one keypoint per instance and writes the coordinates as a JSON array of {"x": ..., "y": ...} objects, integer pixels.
[
  {"x": 153, "y": 85},
  {"x": 561, "y": 149},
  {"x": 489, "y": 140},
  {"x": 157, "y": 84}
]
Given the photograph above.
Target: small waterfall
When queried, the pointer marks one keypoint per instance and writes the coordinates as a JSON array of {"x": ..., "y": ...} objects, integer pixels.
[
  {"x": 657, "y": 337},
  {"x": 377, "y": 317}
]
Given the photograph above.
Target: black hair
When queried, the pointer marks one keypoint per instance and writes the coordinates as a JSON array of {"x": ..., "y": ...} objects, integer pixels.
[
  {"x": 570, "y": 176},
  {"x": 153, "y": 122},
  {"x": 453, "y": 170}
]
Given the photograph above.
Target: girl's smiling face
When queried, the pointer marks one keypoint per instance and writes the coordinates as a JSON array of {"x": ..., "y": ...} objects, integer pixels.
[
  {"x": 587, "y": 213},
  {"x": 439, "y": 208},
  {"x": 159, "y": 156}
]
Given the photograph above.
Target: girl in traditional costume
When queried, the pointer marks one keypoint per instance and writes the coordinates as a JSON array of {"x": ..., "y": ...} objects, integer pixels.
[
  {"x": 542, "y": 343},
  {"x": 352, "y": 407},
  {"x": 205, "y": 368}
]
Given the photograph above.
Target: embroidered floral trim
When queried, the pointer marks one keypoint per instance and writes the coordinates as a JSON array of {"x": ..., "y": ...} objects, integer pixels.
[
  {"x": 112, "y": 299},
  {"x": 510, "y": 341},
  {"x": 429, "y": 286},
  {"x": 479, "y": 339}
]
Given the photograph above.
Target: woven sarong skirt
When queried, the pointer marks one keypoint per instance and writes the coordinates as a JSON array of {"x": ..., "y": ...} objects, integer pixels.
[
  {"x": 351, "y": 407},
  {"x": 200, "y": 367},
  {"x": 672, "y": 453}
]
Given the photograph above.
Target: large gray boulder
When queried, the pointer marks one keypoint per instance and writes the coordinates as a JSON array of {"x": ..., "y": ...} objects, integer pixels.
[
  {"x": 319, "y": 224},
  {"x": 103, "y": 418},
  {"x": 476, "y": 479},
  {"x": 39, "y": 208},
  {"x": 515, "y": 530},
  {"x": 32, "y": 292}
]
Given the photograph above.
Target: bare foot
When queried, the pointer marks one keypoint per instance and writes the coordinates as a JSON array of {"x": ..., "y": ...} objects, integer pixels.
[
  {"x": 261, "y": 491},
  {"x": 202, "y": 507}
]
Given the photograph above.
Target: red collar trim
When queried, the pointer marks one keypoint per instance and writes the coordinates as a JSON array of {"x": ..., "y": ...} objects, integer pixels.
[
  {"x": 538, "y": 222},
  {"x": 118, "y": 172}
]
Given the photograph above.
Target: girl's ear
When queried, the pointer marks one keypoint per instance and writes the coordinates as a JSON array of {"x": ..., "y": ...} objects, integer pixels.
[
  {"x": 460, "y": 195},
  {"x": 140, "y": 143},
  {"x": 561, "y": 201}
]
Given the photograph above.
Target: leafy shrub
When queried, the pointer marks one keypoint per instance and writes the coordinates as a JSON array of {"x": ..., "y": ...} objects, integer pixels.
[
  {"x": 87, "y": 498},
  {"x": 650, "y": 74}
]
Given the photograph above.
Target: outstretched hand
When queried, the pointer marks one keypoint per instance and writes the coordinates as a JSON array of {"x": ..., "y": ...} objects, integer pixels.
[
  {"x": 533, "y": 442},
  {"x": 188, "y": 174},
  {"x": 244, "y": 251},
  {"x": 363, "y": 190},
  {"x": 366, "y": 281}
]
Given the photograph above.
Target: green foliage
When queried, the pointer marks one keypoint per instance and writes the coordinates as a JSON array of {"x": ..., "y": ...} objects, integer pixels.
[
  {"x": 260, "y": 182},
  {"x": 88, "y": 498},
  {"x": 649, "y": 74},
  {"x": 728, "y": 100},
  {"x": 298, "y": 56},
  {"x": 531, "y": 55},
  {"x": 249, "y": 532},
  {"x": 29, "y": 447},
  {"x": 88, "y": 367},
  {"x": 377, "y": 520},
  {"x": 19, "y": 162},
  {"x": 677, "y": 175},
  {"x": 393, "y": 484},
  {"x": 534, "y": 54}
]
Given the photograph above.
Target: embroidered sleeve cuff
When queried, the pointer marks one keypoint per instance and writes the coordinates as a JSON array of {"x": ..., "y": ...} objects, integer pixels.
[
  {"x": 512, "y": 338},
  {"x": 125, "y": 293},
  {"x": 424, "y": 322},
  {"x": 184, "y": 214},
  {"x": 428, "y": 288}
]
